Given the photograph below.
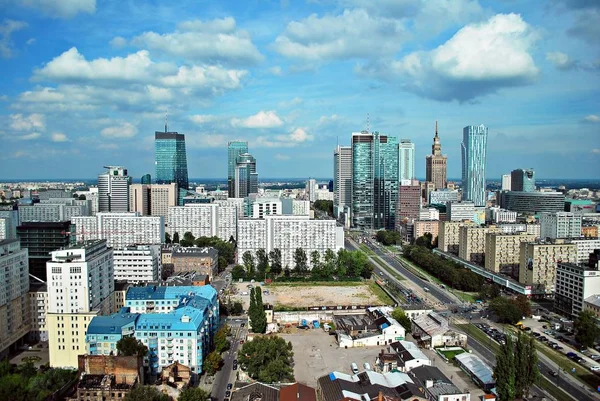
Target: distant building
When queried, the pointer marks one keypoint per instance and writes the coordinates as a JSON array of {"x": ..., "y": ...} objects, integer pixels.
[
  {"x": 113, "y": 190},
  {"x": 421, "y": 227},
  {"x": 38, "y": 303},
  {"x": 406, "y": 160},
  {"x": 574, "y": 284},
  {"x": 409, "y": 204},
  {"x": 471, "y": 243},
  {"x": 234, "y": 149},
  {"x": 585, "y": 247},
  {"x": 473, "y": 150},
  {"x": 449, "y": 235},
  {"x": 204, "y": 220},
  {"x": 460, "y": 211},
  {"x": 137, "y": 264},
  {"x": 506, "y": 182},
  {"x": 51, "y": 212},
  {"x": 538, "y": 261},
  {"x": 374, "y": 328},
  {"x": 311, "y": 189},
  {"x": 443, "y": 196},
  {"x": 579, "y": 205},
  {"x": 246, "y": 177},
  {"x": 502, "y": 251},
  {"x": 532, "y": 202},
  {"x": 146, "y": 179},
  {"x": 342, "y": 179},
  {"x": 201, "y": 260},
  {"x": 560, "y": 225},
  {"x": 497, "y": 215},
  {"x": 436, "y": 163},
  {"x": 170, "y": 159},
  {"x": 522, "y": 180}
]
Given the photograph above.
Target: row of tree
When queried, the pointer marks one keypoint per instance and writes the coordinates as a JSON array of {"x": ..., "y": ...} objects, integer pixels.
[
  {"x": 510, "y": 310},
  {"x": 343, "y": 265},
  {"x": 516, "y": 367},
  {"x": 25, "y": 382},
  {"x": 586, "y": 328},
  {"x": 325, "y": 206},
  {"x": 151, "y": 393},
  {"x": 226, "y": 248},
  {"x": 388, "y": 237},
  {"x": 268, "y": 359},
  {"x": 452, "y": 274},
  {"x": 256, "y": 311}
]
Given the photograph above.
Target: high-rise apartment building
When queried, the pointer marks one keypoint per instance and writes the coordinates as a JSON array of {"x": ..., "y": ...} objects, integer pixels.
[
  {"x": 137, "y": 264},
  {"x": 573, "y": 285},
  {"x": 442, "y": 196},
  {"x": 522, "y": 180},
  {"x": 406, "y": 160},
  {"x": 311, "y": 189},
  {"x": 374, "y": 180},
  {"x": 246, "y": 178},
  {"x": 139, "y": 199},
  {"x": 506, "y": 182},
  {"x": 204, "y": 220},
  {"x": 409, "y": 203},
  {"x": 38, "y": 308},
  {"x": 502, "y": 251},
  {"x": 54, "y": 211},
  {"x": 449, "y": 235},
  {"x": 7, "y": 229},
  {"x": 11, "y": 221},
  {"x": 473, "y": 150},
  {"x": 113, "y": 190},
  {"x": 234, "y": 149},
  {"x": 560, "y": 225},
  {"x": 15, "y": 320},
  {"x": 171, "y": 161},
  {"x": 342, "y": 179},
  {"x": 80, "y": 285},
  {"x": 538, "y": 261},
  {"x": 436, "y": 163},
  {"x": 471, "y": 242}
]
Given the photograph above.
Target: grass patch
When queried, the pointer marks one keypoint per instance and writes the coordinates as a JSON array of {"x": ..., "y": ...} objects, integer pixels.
[
  {"x": 451, "y": 353},
  {"x": 380, "y": 293},
  {"x": 366, "y": 250},
  {"x": 470, "y": 297},
  {"x": 416, "y": 270}
]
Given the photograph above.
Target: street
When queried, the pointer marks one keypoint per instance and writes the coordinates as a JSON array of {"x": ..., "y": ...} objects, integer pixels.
[{"x": 227, "y": 374}]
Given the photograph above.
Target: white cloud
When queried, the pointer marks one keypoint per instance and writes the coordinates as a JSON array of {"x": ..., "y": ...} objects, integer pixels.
[
  {"x": 59, "y": 137},
  {"x": 203, "y": 118},
  {"x": 262, "y": 119},
  {"x": 479, "y": 59},
  {"x": 35, "y": 121},
  {"x": 217, "y": 40},
  {"x": 7, "y": 27},
  {"x": 295, "y": 138},
  {"x": 204, "y": 140},
  {"x": 325, "y": 120},
  {"x": 30, "y": 41},
  {"x": 61, "y": 8},
  {"x": 291, "y": 103},
  {"x": 561, "y": 61},
  {"x": 276, "y": 70},
  {"x": 352, "y": 34},
  {"x": 282, "y": 157},
  {"x": 596, "y": 151},
  {"x": 300, "y": 135},
  {"x": 29, "y": 137},
  {"x": 592, "y": 118},
  {"x": 121, "y": 131},
  {"x": 118, "y": 42}
]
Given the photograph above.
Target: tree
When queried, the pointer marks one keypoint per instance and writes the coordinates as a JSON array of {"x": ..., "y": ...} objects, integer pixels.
[
  {"x": 220, "y": 340},
  {"x": 324, "y": 206},
  {"x": 522, "y": 302},
  {"x": 176, "y": 237},
  {"x": 130, "y": 346},
  {"x": 262, "y": 262},
  {"x": 248, "y": 261},
  {"x": 82, "y": 197},
  {"x": 145, "y": 393},
  {"x": 222, "y": 264},
  {"x": 167, "y": 238},
  {"x": 387, "y": 237},
  {"x": 256, "y": 312},
  {"x": 300, "y": 262},
  {"x": 275, "y": 259},
  {"x": 167, "y": 270},
  {"x": 237, "y": 308},
  {"x": 188, "y": 239},
  {"x": 402, "y": 318},
  {"x": 212, "y": 363},
  {"x": 426, "y": 241},
  {"x": 238, "y": 272},
  {"x": 194, "y": 394},
  {"x": 315, "y": 263},
  {"x": 329, "y": 264},
  {"x": 505, "y": 310},
  {"x": 504, "y": 371},
  {"x": 586, "y": 330},
  {"x": 268, "y": 359},
  {"x": 526, "y": 365}
]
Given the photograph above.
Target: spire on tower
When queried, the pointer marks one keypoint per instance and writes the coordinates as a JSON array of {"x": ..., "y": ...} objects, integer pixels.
[
  {"x": 166, "y": 120},
  {"x": 436, "y": 128},
  {"x": 368, "y": 123}
]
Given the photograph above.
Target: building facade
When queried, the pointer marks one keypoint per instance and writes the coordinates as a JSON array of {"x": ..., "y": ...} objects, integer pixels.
[
  {"x": 574, "y": 284},
  {"x": 137, "y": 264},
  {"x": 170, "y": 159},
  {"x": 449, "y": 235},
  {"x": 201, "y": 260},
  {"x": 204, "y": 220},
  {"x": 585, "y": 247},
  {"x": 139, "y": 199},
  {"x": 473, "y": 151},
  {"x": 532, "y": 202},
  {"x": 409, "y": 203},
  {"x": 342, "y": 179},
  {"x": 113, "y": 190},
  {"x": 506, "y": 184},
  {"x": 560, "y": 225},
  {"x": 38, "y": 304},
  {"x": 471, "y": 243},
  {"x": 443, "y": 196},
  {"x": 436, "y": 163},
  {"x": 421, "y": 227},
  {"x": 246, "y": 177},
  {"x": 538, "y": 261},
  {"x": 502, "y": 251},
  {"x": 460, "y": 211},
  {"x": 234, "y": 149},
  {"x": 522, "y": 180},
  {"x": 406, "y": 160}
]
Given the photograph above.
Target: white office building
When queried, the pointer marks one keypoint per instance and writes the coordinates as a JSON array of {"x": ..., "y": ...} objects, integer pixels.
[
  {"x": 560, "y": 225},
  {"x": 12, "y": 217},
  {"x": 204, "y": 220},
  {"x": 429, "y": 213},
  {"x": 120, "y": 229},
  {"x": 53, "y": 211},
  {"x": 406, "y": 160},
  {"x": 585, "y": 246},
  {"x": 506, "y": 181},
  {"x": 288, "y": 233},
  {"x": 498, "y": 215},
  {"x": 443, "y": 196},
  {"x": 113, "y": 190},
  {"x": 138, "y": 264},
  {"x": 460, "y": 211},
  {"x": 574, "y": 284},
  {"x": 342, "y": 178},
  {"x": 311, "y": 188}
]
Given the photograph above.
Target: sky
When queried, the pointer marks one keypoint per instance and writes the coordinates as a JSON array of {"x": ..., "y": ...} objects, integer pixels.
[{"x": 84, "y": 84}]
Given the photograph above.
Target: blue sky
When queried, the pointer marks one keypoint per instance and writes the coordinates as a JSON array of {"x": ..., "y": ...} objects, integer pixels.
[{"x": 86, "y": 83}]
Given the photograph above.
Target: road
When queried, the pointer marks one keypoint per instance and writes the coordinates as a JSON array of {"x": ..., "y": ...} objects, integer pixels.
[{"x": 227, "y": 374}]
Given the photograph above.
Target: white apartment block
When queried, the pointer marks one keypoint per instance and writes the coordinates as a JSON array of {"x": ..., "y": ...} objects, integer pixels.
[
  {"x": 560, "y": 225},
  {"x": 262, "y": 207},
  {"x": 460, "y": 211},
  {"x": 162, "y": 197},
  {"x": 311, "y": 187},
  {"x": 121, "y": 229},
  {"x": 585, "y": 246},
  {"x": 288, "y": 233},
  {"x": 506, "y": 182},
  {"x": 502, "y": 251},
  {"x": 204, "y": 220},
  {"x": 238, "y": 203},
  {"x": 138, "y": 264},
  {"x": 38, "y": 303},
  {"x": 300, "y": 207},
  {"x": 497, "y": 215},
  {"x": 443, "y": 196},
  {"x": 14, "y": 298},
  {"x": 429, "y": 213},
  {"x": 538, "y": 261},
  {"x": 80, "y": 285},
  {"x": 324, "y": 194},
  {"x": 471, "y": 242},
  {"x": 573, "y": 285}
]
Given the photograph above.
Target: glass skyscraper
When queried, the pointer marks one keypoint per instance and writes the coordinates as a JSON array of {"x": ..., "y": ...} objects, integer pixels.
[
  {"x": 234, "y": 149},
  {"x": 522, "y": 180},
  {"x": 146, "y": 179},
  {"x": 473, "y": 150},
  {"x": 246, "y": 178},
  {"x": 374, "y": 180},
  {"x": 406, "y": 161},
  {"x": 170, "y": 159}
]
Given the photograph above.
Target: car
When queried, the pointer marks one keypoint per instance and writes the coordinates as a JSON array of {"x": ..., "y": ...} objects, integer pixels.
[
  {"x": 536, "y": 334},
  {"x": 227, "y": 393},
  {"x": 544, "y": 327},
  {"x": 354, "y": 367},
  {"x": 553, "y": 373},
  {"x": 595, "y": 357},
  {"x": 367, "y": 366},
  {"x": 234, "y": 367},
  {"x": 242, "y": 325}
]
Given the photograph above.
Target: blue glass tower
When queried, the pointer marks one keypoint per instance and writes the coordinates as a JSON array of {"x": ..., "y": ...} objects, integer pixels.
[
  {"x": 234, "y": 149},
  {"x": 473, "y": 150}
]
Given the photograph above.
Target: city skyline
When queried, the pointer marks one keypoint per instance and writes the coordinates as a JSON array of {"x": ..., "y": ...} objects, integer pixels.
[{"x": 294, "y": 81}]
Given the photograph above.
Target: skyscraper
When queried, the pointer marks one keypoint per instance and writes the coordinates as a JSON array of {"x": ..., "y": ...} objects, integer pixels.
[
  {"x": 245, "y": 178},
  {"x": 170, "y": 159},
  {"x": 406, "y": 160},
  {"x": 374, "y": 180},
  {"x": 234, "y": 149},
  {"x": 113, "y": 190},
  {"x": 522, "y": 180},
  {"x": 473, "y": 150},
  {"x": 342, "y": 178},
  {"x": 146, "y": 179},
  {"x": 435, "y": 163},
  {"x": 506, "y": 182}
]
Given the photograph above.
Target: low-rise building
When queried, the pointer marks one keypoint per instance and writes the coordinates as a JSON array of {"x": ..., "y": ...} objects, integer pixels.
[
  {"x": 374, "y": 328},
  {"x": 409, "y": 355},
  {"x": 477, "y": 370},
  {"x": 592, "y": 303},
  {"x": 574, "y": 284},
  {"x": 437, "y": 386},
  {"x": 107, "y": 378},
  {"x": 201, "y": 260},
  {"x": 432, "y": 330}
]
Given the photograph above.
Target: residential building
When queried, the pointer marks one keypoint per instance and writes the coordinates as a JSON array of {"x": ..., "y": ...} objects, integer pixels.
[
  {"x": 406, "y": 160},
  {"x": 473, "y": 151},
  {"x": 502, "y": 251},
  {"x": 376, "y": 327},
  {"x": 460, "y": 211},
  {"x": 514, "y": 228},
  {"x": 522, "y": 180},
  {"x": 287, "y": 233},
  {"x": 409, "y": 203},
  {"x": 342, "y": 179},
  {"x": 234, "y": 149},
  {"x": 429, "y": 213},
  {"x": 538, "y": 261},
  {"x": 426, "y": 189},
  {"x": 162, "y": 197},
  {"x": 506, "y": 184},
  {"x": 15, "y": 320},
  {"x": 137, "y": 264},
  {"x": 471, "y": 243},
  {"x": 107, "y": 378},
  {"x": 41, "y": 238},
  {"x": 171, "y": 160},
  {"x": 574, "y": 284},
  {"x": 139, "y": 199},
  {"x": 11, "y": 221},
  {"x": 437, "y": 386},
  {"x": 262, "y": 207},
  {"x": 560, "y": 225},
  {"x": 432, "y": 330},
  {"x": 426, "y": 226},
  {"x": 297, "y": 392},
  {"x": 589, "y": 231},
  {"x": 311, "y": 189},
  {"x": 532, "y": 202},
  {"x": 374, "y": 180},
  {"x": 80, "y": 285},
  {"x": 498, "y": 215},
  {"x": 449, "y": 235},
  {"x": 7, "y": 229},
  {"x": 477, "y": 370},
  {"x": 585, "y": 247},
  {"x": 119, "y": 294},
  {"x": 47, "y": 212},
  {"x": 443, "y": 196},
  {"x": 436, "y": 163},
  {"x": 200, "y": 260},
  {"x": 38, "y": 304},
  {"x": 409, "y": 356},
  {"x": 54, "y": 193},
  {"x": 113, "y": 190},
  {"x": 204, "y": 220},
  {"x": 246, "y": 177},
  {"x": 592, "y": 303}
]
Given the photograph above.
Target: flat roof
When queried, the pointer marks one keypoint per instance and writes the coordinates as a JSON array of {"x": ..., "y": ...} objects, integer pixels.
[
  {"x": 170, "y": 292},
  {"x": 112, "y": 324}
]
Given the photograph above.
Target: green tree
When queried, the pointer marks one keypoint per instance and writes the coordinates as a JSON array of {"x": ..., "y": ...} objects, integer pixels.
[
  {"x": 504, "y": 371},
  {"x": 325, "y": 206},
  {"x": 237, "y": 308},
  {"x": 258, "y": 317},
  {"x": 522, "y": 302},
  {"x": 300, "y": 262},
  {"x": 193, "y": 394},
  {"x": 220, "y": 340},
  {"x": 238, "y": 272},
  {"x": 176, "y": 237},
  {"x": 526, "y": 365},
  {"x": 275, "y": 259},
  {"x": 268, "y": 359},
  {"x": 426, "y": 240},
  {"x": 145, "y": 393},
  {"x": 402, "y": 318},
  {"x": 188, "y": 239},
  {"x": 315, "y": 263},
  {"x": 248, "y": 261},
  {"x": 167, "y": 238},
  {"x": 329, "y": 264},
  {"x": 586, "y": 330},
  {"x": 222, "y": 264},
  {"x": 13, "y": 388},
  {"x": 505, "y": 310},
  {"x": 262, "y": 262},
  {"x": 212, "y": 363},
  {"x": 130, "y": 346}
]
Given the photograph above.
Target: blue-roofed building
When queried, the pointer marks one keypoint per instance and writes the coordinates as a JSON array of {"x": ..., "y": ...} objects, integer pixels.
[{"x": 103, "y": 332}]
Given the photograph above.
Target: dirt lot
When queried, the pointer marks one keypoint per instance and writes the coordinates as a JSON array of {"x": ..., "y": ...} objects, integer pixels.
[{"x": 303, "y": 296}]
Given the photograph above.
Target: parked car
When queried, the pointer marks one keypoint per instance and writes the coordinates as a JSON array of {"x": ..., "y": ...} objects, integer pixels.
[
  {"x": 354, "y": 367},
  {"x": 595, "y": 368},
  {"x": 229, "y": 386},
  {"x": 227, "y": 393}
]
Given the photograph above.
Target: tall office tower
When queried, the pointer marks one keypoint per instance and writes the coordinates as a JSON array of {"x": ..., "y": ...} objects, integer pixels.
[
  {"x": 170, "y": 159},
  {"x": 80, "y": 283},
  {"x": 473, "y": 150},
  {"x": 522, "y": 180},
  {"x": 311, "y": 189},
  {"x": 409, "y": 204},
  {"x": 246, "y": 178},
  {"x": 146, "y": 179},
  {"x": 436, "y": 163},
  {"x": 506, "y": 182},
  {"x": 406, "y": 160},
  {"x": 139, "y": 199},
  {"x": 374, "y": 180},
  {"x": 342, "y": 178},
  {"x": 234, "y": 149},
  {"x": 14, "y": 301},
  {"x": 162, "y": 197},
  {"x": 113, "y": 190}
]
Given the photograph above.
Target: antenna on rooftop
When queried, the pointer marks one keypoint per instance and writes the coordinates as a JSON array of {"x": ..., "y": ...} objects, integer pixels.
[
  {"x": 166, "y": 120},
  {"x": 368, "y": 123}
]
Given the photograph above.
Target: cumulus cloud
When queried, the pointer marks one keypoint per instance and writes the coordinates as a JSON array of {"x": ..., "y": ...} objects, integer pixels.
[
  {"x": 7, "y": 28},
  {"x": 262, "y": 119},
  {"x": 29, "y": 137},
  {"x": 203, "y": 118},
  {"x": 297, "y": 137},
  {"x": 561, "y": 61},
  {"x": 592, "y": 118},
  {"x": 59, "y": 137},
  {"x": 276, "y": 70},
  {"x": 122, "y": 131},
  {"x": 479, "y": 59},
  {"x": 596, "y": 151},
  {"x": 282, "y": 157},
  {"x": 217, "y": 40},
  {"x": 352, "y": 34},
  {"x": 118, "y": 42},
  {"x": 326, "y": 120},
  {"x": 60, "y": 8},
  {"x": 35, "y": 121}
]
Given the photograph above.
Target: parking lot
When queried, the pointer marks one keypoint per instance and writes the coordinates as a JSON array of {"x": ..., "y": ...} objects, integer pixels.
[{"x": 317, "y": 354}]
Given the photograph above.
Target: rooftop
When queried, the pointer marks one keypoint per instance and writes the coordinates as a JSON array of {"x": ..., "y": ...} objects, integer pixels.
[
  {"x": 155, "y": 292},
  {"x": 297, "y": 392},
  {"x": 476, "y": 366},
  {"x": 441, "y": 385},
  {"x": 432, "y": 323},
  {"x": 368, "y": 384},
  {"x": 594, "y": 300},
  {"x": 256, "y": 392},
  {"x": 112, "y": 324},
  {"x": 408, "y": 351},
  {"x": 185, "y": 318},
  {"x": 195, "y": 252}
]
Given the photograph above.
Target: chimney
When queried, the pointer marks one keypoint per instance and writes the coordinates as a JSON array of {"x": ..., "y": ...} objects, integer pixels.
[
  {"x": 380, "y": 396},
  {"x": 428, "y": 383}
]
